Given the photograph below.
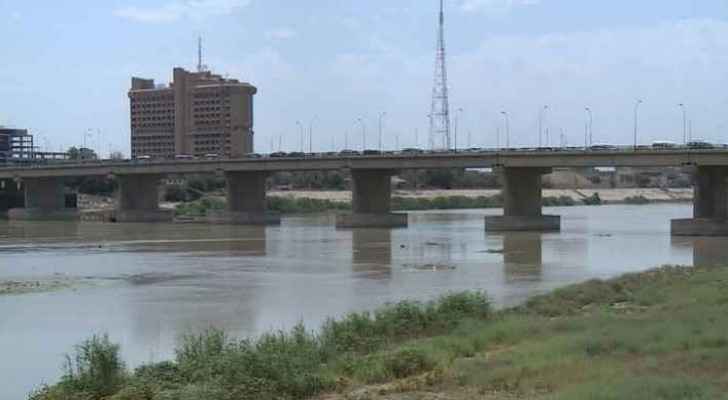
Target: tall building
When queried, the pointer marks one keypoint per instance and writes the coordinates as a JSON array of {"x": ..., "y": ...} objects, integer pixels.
[
  {"x": 16, "y": 145},
  {"x": 198, "y": 113}
]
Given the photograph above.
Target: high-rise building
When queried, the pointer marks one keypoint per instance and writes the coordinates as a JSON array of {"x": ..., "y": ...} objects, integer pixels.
[
  {"x": 198, "y": 113},
  {"x": 16, "y": 145}
]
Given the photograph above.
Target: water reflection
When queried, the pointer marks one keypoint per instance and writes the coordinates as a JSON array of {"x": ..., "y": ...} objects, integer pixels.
[
  {"x": 707, "y": 251},
  {"x": 522, "y": 256},
  {"x": 372, "y": 252}
]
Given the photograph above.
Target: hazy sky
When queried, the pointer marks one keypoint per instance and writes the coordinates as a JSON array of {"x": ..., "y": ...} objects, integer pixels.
[{"x": 65, "y": 66}]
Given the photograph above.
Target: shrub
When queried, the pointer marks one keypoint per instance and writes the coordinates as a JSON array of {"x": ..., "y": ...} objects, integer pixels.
[
  {"x": 95, "y": 368},
  {"x": 407, "y": 362}
]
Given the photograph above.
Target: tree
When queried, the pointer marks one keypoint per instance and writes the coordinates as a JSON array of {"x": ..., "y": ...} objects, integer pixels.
[{"x": 83, "y": 153}]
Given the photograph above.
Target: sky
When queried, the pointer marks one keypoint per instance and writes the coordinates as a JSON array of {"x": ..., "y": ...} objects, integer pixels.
[{"x": 65, "y": 67}]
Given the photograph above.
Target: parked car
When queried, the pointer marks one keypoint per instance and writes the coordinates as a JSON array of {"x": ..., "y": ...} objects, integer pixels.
[
  {"x": 184, "y": 157},
  {"x": 412, "y": 151},
  {"x": 212, "y": 156},
  {"x": 700, "y": 144},
  {"x": 664, "y": 145},
  {"x": 602, "y": 147}
]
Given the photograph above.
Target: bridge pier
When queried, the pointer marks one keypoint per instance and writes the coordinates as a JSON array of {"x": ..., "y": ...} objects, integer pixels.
[
  {"x": 522, "y": 203},
  {"x": 138, "y": 200},
  {"x": 246, "y": 201},
  {"x": 710, "y": 205},
  {"x": 45, "y": 200},
  {"x": 371, "y": 201}
]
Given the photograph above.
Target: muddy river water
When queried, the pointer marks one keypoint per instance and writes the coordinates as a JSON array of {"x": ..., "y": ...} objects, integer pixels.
[{"x": 147, "y": 284}]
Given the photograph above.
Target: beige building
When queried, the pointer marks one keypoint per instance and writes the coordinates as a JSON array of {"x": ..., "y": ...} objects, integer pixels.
[{"x": 198, "y": 114}]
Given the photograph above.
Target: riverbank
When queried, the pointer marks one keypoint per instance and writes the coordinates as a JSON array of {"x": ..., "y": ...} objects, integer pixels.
[
  {"x": 653, "y": 335},
  {"x": 302, "y": 202}
]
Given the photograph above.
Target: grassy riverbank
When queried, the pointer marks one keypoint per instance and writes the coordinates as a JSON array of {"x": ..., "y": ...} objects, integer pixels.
[{"x": 657, "y": 335}]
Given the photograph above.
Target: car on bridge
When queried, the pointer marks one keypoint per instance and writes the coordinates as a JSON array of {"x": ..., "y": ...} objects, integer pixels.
[
  {"x": 349, "y": 153},
  {"x": 278, "y": 154},
  {"x": 664, "y": 145},
  {"x": 700, "y": 144},
  {"x": 371, "y": 152},
  {"x": 413, "y": 151},
  {"x": 603, "y": 147}
]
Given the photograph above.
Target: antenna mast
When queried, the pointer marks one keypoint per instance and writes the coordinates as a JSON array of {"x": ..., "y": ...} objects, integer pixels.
[
  {"x": 440, "y": 111},
  {"x": 200, "y": 66}
]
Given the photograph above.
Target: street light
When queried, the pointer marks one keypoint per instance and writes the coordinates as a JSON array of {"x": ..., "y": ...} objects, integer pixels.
[
  {"x": 310, "y": 133},
  {"x": 363, "y": 134},
  {"x": 508, "y": 129},
  {"x": 636, "y": 110},
  {"x": 302, "y": 140},
  {"x": 589, "y": 134},
  {"x": 381, "y": 116},
  {"x": 429, "y": 137},
  {"x": 457, "y": 115},
  {"x": 685, "y": 122},
  {"x": 541, "y": 113}
]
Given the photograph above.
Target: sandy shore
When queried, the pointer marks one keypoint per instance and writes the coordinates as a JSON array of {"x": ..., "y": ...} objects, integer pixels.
[{"x": 607, "y": 195}]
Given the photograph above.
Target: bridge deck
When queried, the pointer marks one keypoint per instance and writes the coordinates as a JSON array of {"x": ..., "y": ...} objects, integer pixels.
[{"x": 537, "y": 159}]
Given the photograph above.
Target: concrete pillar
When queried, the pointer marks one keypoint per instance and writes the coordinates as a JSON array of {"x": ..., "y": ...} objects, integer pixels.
[
  {"x": 710, "y": 205},
  {"x": 371, "y": 201},
  {"x": 246, "y": 201},
  {"x": 522, "y": 203},
  {"x": 45, "y": 199},
  {"x": 138, "y": 200}
]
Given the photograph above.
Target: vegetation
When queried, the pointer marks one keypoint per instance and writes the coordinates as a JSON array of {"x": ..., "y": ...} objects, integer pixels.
[
  {"x": 280, "y": 365},
  {"x": 658, "y": 335},
  {"x": 593, "y": 200},
  {"x": 639, "y": 200},
  {"x": 289, "y": 205}
]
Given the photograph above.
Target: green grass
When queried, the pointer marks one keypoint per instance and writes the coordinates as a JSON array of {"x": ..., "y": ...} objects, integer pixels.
[{"x": 660, "y": 335}]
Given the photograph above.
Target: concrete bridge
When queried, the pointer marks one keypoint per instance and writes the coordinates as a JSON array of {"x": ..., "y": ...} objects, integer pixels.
[{"x": 521, "y": 171}]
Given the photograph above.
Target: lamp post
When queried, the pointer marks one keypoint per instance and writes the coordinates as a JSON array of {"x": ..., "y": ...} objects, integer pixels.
[
  {"x": 429, "y": 137},
  {"x": 506, "y": 120},
  {"x": 363, "y": 133},
  {"x": 310, "y": 133},
  {"x": 589, "y": 134},
  {"x": 381, "y": 116},
  {"x": 685, "y": 122},
  {"x": 636, "y": 119},
  {"x": 301, "y": 138},
  {"x": 457, "y": 120},
  {"x": 541, "y": 113}
]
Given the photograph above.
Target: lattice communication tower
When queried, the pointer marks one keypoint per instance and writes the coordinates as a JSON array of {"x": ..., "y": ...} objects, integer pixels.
[{"x": 440, "y": 111}]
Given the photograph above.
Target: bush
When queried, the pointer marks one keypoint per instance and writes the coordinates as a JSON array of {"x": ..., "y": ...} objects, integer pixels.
[
  {"x": 593, "y": 200},
  {"x": 95, "y": 368},
  {"x": 638, "y": 200},
  {"x": 275, "y": 366},
  {"x": 407, "y": 362}
]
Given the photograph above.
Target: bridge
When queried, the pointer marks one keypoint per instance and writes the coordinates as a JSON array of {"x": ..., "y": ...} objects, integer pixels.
[{"x": 521, "y": 172}]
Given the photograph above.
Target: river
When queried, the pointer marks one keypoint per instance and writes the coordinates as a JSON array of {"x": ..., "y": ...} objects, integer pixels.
[{"x": 147, "y": 284}]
